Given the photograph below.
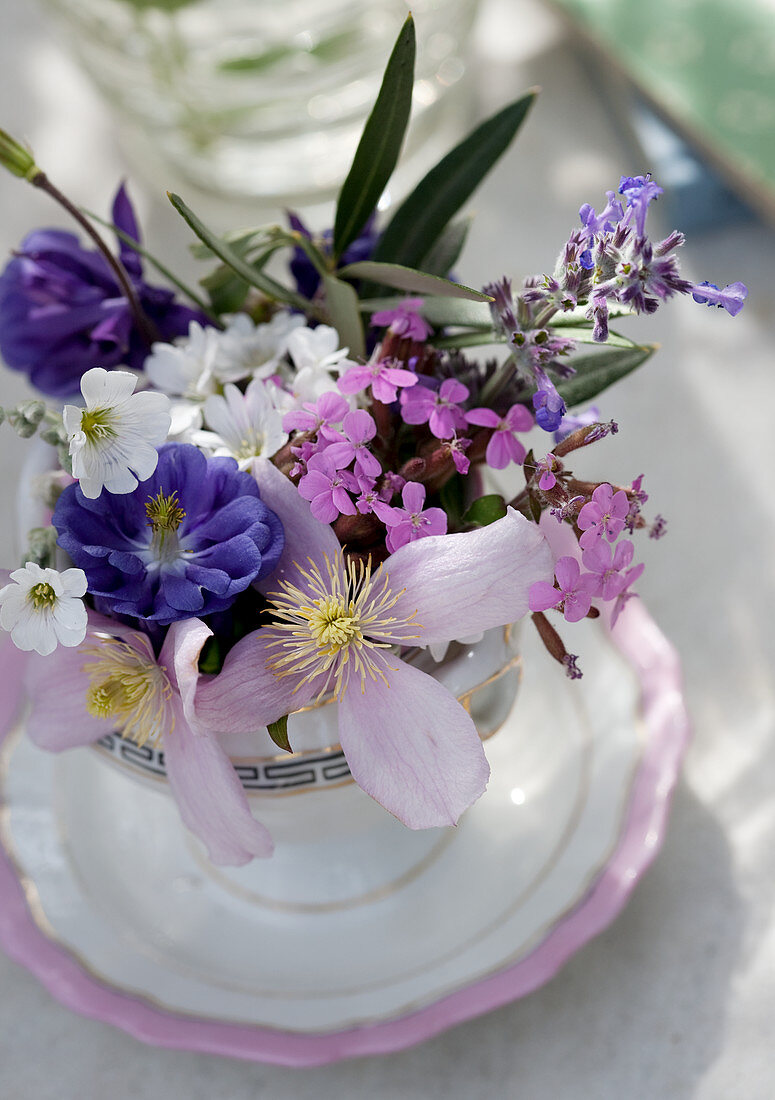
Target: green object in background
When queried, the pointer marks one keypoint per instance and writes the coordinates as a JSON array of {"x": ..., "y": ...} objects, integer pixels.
[{"x": 707, "y": 66}]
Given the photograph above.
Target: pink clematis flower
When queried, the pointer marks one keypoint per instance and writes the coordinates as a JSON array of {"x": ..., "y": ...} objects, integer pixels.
[
  {"x": 114, "y": 683},
  {"x": 407, "y": 740}
]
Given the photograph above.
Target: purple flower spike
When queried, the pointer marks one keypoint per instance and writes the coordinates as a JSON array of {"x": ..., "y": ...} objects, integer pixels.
[
  {"x": 610, "y": 568},
  {"x": 404, "y": 320},
  {"x": 603, "y": 516},
  {"x": 731, "y": 298},
  {"x": 639, "y": 192},
  {"x": 420, "y": 404},
  {"x": 184, "y": 543},
  {"x": 413, "y": 521},
  {"x": 62, "y": 311},
  {"x": 385, "y": 380},
  {"x": 503, "y": 446},
  {"x": 574, "y": 596},
  {"x": 328, "y": 489}
]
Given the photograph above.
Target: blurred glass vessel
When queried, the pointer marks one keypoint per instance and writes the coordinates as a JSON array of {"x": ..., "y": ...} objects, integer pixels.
[{"x": 259, "y": 98}]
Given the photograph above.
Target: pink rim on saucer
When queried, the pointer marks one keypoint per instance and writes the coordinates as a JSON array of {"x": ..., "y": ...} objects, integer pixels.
[{"x": 666, "y": 723}]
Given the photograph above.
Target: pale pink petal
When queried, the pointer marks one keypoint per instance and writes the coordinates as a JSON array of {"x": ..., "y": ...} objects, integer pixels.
[
  {"x": 57, "y": 687},
  {"x": 210, "y": 797},
  {"x": 412, "y": 747},
  {"x": 13, "y": 662},
  {"x": 463, "y": 583},
  {"x": 246, "y": 694},
  {"x": 305, "y": 537},
  {"x": 180, "y": 657}
]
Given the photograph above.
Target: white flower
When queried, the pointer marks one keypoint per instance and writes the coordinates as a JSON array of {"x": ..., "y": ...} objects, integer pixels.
[
  {"x": 247, "y": 350},
  {"x": 186, "y": 369},
  {"x": 244, "y": 426},
  {"x": 318, "y": 348},
  {"x": 113, "y": 440},
  {"x": 43, "y": 608}
]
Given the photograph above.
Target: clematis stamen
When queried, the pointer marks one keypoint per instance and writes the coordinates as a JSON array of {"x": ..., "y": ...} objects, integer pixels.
[
  {"x": 131, "y": 689},
  {"x": 324, "y": 626}
]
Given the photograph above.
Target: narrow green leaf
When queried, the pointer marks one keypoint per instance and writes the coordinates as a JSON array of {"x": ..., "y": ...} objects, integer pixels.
[
  {"x": 342, "y": 302},
  {"x": 278, "y": 731},
  {"x": 583, "y": 335},
  {"x": 257, "y": 62},
  {"x": 440, "y": 311},
  {"x": 240, "y": 267},
  {"x": 380, "y": 144},
  {"x": 595, "y": 373},
  {"x": 419, "y": 221},
  {"x": 445, "y": 253},
  {"x": 452, "y": 500},
  {"x": 406, "y": 278},
  {"x": 486, "y": 510},
  {"x": 477, "y": 338}
]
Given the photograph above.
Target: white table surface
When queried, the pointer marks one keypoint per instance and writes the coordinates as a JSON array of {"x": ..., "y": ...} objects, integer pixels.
[{"x": 677, "y": 998}]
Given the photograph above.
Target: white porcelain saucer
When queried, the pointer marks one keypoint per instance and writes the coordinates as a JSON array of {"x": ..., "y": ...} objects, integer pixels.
[{"x": 147, "y": 938}]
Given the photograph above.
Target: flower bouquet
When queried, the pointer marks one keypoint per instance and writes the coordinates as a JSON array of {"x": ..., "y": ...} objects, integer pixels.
[{"x": 273, "y": 492}]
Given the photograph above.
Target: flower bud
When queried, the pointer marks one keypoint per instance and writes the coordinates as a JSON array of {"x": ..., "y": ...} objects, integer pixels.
[{"x": 16, "y": 158}]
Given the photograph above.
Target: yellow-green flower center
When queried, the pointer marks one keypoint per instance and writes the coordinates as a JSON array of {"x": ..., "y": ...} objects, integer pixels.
[
  {"x": 42, "y": 595},
  {"x": 325, "y": 625},
  {"x": 164, "y": 512},
  {"x": 96, "y": 425},
  {"x": 129, "y": 688}
]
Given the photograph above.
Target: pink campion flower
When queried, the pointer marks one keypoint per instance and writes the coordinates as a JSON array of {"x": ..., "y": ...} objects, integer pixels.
[
  {"x": 373, "y": 499},
  {"x": 329, "y": 409},
  {"x": 574, "y": 596},
  {"x": 457, "y": 447},
  {"x": 439, "y": 408},
  {"x": 113, "y": 682},
  {"x": 610, "y": 567},
  {"x": 328, "y": 488},
  {"x": 412, "y": 522},
  {"x": 547, "y": 466},
  {"x": 603, "y": 516},
  {"x": 358, "y": 430},
  {"x": 385, "y": 380},
  {"x": 408, "y": 742},
  {"x": 503, "y": 446},
  {"x": 404, "y": 320}
]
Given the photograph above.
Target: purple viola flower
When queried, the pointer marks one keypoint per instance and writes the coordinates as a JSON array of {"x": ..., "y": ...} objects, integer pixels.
[
  {"x": 358, "y": 430},
  {"x": 328, "y": 489},
  {"x": 304, "y": 272},
  {"x": 413, "y": 521},
  {"x": 184, "y": 543},
  {"x": 574, "y": 595},
  {"x": 385, "y": 380},
  {"x": 610, "y": 567},
  {"x": 731, "y": 298},
  {"x": 440, "y": 409},
  {"x": 503, "y": 446},
  {"x": 404, "y": 320},
  {"x": 603, "y": 516},
  {"x": 62, "y": 311}
]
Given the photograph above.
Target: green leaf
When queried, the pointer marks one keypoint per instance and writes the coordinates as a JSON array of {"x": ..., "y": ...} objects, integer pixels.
[
  {"x": 417, "y": 224},
  {"x": 257, "y": 62},
  {"x": 405, "y": 278},
  {"x": 238, "y": 265},
  {"x": 478, "y": 338},
  {"x": 445, "y": 253},
  {"x": 211, "y": 657},
  {"x": 452, "y": 500},
  {"x": 278, "y": 731},
  {"x": 377, "y": 152},
  {"x": 486, "y": 510},
  {"x": 342, "y": 302},
  {"x": 584, "y": 336},
  {"x": 595, "y": 373}
]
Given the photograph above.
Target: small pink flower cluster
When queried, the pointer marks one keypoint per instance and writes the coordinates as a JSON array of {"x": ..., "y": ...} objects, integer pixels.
[{"x": 609, "y": 572}]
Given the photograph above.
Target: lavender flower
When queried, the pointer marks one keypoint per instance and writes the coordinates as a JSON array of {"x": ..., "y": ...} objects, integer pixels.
[
  {"x": 183, "y": 544},
  {"x": 731, "y": 298},
  {"x": 62, "y": 311}
]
